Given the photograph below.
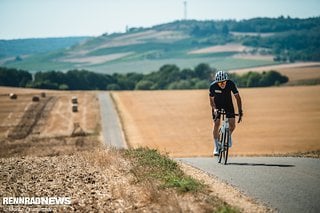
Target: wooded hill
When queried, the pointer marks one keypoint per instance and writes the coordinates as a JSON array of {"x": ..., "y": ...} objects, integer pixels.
[{"x": 185, "y": 43}]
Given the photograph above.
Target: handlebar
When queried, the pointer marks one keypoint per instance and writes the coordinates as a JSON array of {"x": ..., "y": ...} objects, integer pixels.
[{"x": 222, "y": 112}]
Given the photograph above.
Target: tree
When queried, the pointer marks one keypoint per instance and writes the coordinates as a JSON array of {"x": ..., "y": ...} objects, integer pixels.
[
  {"x": 225, "y": 29},
  {"x": 144, "y": 85},
  {"x": 14, "y": 77},
  {"x": 203, "y": 71}
]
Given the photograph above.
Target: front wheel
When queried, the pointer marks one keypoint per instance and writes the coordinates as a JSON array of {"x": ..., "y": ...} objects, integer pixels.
[{"x": 223, "y": 148}]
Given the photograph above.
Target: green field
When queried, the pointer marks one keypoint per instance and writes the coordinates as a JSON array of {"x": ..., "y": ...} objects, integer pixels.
[
  {"x": 146, "y": 66},
  {"x": 137, "y": 63}
]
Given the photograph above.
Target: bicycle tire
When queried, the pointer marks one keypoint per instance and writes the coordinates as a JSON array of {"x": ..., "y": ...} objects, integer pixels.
[
  {"x": 226, "y": 147},
  {"x": 221, "y": 137}
]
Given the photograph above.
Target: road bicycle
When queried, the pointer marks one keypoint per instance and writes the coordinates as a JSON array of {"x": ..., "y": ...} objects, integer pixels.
[{"x": 224, "y": 137}]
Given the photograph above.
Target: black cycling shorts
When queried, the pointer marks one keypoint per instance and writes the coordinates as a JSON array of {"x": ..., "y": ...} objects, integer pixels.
[{"x": 229, "y": 114}]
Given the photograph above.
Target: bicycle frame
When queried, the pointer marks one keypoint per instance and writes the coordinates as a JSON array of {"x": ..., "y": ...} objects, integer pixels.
[{"x": 224, "y": 137}]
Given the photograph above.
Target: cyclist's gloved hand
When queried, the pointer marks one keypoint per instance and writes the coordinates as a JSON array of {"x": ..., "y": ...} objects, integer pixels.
[
  {"x": 240, "y": 115},
  {"x": 215, "y": 114}
]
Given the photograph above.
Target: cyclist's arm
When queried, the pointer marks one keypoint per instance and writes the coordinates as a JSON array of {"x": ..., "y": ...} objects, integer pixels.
[
  {"x": 239, "y": 102},
  {"x": 214, "y": 108},
  {"x": 212, "y": 103}
]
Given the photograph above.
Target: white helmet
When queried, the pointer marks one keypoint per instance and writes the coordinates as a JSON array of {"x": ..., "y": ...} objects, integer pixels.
[{"x": 221, "y": 76}]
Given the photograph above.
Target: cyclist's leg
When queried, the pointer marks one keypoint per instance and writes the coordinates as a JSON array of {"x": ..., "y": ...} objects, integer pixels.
[
  {"x": 216, "y": 136},
  {"x": 216, "y": 129},
  {"x": 232, "y": 125}
]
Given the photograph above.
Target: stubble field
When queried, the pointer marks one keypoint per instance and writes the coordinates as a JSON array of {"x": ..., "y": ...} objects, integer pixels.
[
  {"x": 296, "y": 72},
  {"x": 48, "y": 126},
  {"x": 277, "y": 120}
]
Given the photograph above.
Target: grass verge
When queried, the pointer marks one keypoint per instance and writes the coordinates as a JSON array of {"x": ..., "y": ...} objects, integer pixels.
[{"x": 151, "y": 166}]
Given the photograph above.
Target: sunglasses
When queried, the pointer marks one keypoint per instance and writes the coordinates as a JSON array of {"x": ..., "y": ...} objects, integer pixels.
[{"x": 222, "y": 82}]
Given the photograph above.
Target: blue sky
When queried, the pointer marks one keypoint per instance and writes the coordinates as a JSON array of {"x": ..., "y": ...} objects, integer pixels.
[{"x": 56, "y": 18}]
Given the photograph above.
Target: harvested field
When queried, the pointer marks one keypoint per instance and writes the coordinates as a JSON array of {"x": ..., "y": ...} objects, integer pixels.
[
  {"x": 254, "y": 57},
  {"x": 96, "y": 59},
  {"x": 45, "y": 128},
  {"x": 61, "y": 119},
  {"x": 276, "y": 120},
  {"x": 220, "y": 48},
  {"x": 301, "y": 73},
  {"x": 30, "y": 118},
  {"x": 295, "y": 71}
]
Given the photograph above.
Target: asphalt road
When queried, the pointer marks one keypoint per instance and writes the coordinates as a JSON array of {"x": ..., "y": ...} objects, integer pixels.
[
  {"x": 111, "y": 128},
  {"x": 286, "y": 184}
]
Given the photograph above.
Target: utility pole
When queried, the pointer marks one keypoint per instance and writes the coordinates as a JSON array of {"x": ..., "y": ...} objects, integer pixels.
[{"x": 185, "y": 10}]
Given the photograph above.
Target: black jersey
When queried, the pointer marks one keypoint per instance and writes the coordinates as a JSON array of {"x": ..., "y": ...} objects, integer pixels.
[{"x": 222, "y": 97}]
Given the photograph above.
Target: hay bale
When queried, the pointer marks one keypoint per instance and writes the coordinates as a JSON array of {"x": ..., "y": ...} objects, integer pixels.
[
  {"x": 74, "y": 100},
  {"x": 13, "y": 96},
  {"x": 43, "y": 94},
  {"x": 75, "y": 108},
  {"x": 35, "y": 99}
]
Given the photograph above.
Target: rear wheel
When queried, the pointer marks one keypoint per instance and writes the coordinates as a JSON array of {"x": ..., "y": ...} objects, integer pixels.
[{"x": 226, "y": 147}]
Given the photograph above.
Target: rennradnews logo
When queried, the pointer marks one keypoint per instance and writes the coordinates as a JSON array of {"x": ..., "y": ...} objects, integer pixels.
[{"x": 36, "y": 201}]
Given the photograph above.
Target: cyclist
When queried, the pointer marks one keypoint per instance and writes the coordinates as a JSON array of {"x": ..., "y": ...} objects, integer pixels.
[{"x": 220, "y": 98}]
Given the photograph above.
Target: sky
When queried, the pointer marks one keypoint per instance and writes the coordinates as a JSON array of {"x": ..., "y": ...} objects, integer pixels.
[{"x": 61, "y": 18}]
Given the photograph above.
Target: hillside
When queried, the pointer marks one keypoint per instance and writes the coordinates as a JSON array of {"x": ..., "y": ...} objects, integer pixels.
[
  {"x": 221, "y": 44},
  {"x": 20, "y": 47}
]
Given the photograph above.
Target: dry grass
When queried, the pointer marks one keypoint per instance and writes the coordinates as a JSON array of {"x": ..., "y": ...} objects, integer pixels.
[{"x": 278, "y": 120}]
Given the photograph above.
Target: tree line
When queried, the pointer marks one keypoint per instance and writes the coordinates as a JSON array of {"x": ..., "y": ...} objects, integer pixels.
[
  {"x": 303, "y": 45},
  {"x": 289, "y": 39},
  {"x": 168, "y": 77}
]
